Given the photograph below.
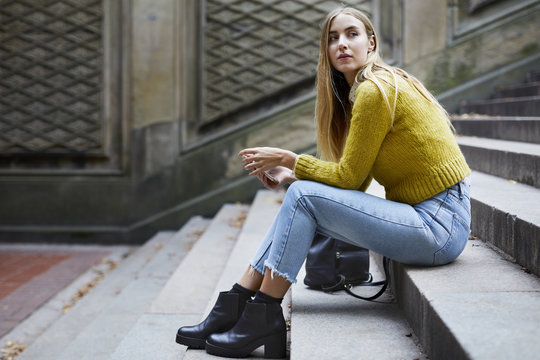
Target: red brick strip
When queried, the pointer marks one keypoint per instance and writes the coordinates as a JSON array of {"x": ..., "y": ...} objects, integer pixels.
[{"x": 28, "y": 279}]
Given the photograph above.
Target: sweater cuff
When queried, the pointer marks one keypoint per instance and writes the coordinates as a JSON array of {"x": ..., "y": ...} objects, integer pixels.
[{"x": 304, "y": 166}]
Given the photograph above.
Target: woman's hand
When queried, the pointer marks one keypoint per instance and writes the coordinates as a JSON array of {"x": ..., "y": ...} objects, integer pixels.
[
  {"x": 280, "y": 174},
  {"x": 257, "y": 160}
]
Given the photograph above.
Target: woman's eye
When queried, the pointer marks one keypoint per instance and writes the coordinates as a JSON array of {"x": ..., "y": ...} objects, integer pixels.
[
  {"x": 353, "y": 34},
  {"x": 332, "y": 38}
]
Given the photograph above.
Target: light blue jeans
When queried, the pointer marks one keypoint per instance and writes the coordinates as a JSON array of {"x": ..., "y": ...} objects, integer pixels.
[{"x": 432, "y": 232}]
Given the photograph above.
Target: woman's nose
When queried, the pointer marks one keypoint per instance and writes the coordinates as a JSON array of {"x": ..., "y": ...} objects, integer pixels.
[{"x": 342, "y": 43}]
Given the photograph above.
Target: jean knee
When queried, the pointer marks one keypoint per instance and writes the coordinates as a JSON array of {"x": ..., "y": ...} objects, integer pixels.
[
  {"x": 296, "y": 188},
  {"x": 300, "y": 188},
  {"x": 297, "y": 192}
]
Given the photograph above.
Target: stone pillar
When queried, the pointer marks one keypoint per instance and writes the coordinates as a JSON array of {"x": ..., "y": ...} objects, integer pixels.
[
  {"x": 155, "y": 85},
  {"x": 424, "y": 28}
]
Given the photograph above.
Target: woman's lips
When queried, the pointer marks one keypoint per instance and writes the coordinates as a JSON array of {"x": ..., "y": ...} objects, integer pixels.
[{"x": 344, "y": 57}]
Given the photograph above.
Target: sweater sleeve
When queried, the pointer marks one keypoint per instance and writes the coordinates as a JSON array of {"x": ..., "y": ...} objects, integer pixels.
[{"x": 370, "y": 123}]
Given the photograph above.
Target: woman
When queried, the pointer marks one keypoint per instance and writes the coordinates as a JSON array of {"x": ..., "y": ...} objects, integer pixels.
[{"x": 374, "y": 121}]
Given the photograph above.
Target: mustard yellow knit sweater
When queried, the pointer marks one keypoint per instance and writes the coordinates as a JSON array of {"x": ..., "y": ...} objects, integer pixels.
[{"x": 414, "y": 158}]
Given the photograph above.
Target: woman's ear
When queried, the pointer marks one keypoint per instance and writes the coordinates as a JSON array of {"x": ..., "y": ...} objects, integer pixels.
[{"x": 371, "y": 43}]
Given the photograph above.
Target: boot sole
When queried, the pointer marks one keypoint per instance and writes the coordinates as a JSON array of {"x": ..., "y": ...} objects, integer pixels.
[
  {"x": 191, "y": 342},
  {"x": 275, "y": 347}
]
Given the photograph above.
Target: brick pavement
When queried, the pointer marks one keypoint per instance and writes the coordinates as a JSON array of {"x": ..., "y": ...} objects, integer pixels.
[{"x": 31, "y": 275}]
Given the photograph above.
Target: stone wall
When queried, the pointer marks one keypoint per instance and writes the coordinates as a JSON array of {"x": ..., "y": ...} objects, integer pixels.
[
  {"x": 158, "y": 158},
  {"x": 459, "y": 40}
]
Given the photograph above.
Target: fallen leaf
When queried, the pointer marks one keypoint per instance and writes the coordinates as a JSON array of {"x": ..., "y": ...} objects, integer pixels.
[
  {"x": 197, "y": 233},
  {"x": 12, "y": 350},
  {"x": 240, "y": 219},
  {"x": 85, "y": 289}
]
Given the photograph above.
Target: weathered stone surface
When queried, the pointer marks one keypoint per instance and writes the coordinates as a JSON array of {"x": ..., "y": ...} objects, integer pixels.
[
  {"x": 478, "y": 307},
  {"x": 506, "y": 214},
  {"x": 478, "y": 53},
  {"x": 153, "y": 57},
  {"x": 513, "y": 160},
  {"x": 525, "y": 129}
]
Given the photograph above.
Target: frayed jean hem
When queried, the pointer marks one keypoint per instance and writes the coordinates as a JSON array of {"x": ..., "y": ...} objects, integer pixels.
[
  {"x": 253, "y": 268},
  {"x": 274, "y": 272}
]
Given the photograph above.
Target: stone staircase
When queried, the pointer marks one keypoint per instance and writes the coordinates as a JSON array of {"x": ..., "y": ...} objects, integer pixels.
[
  {"x": 503, "y": 145},
  {"x": 174, "y": 279},
  {"x": 485, "y": 305}
]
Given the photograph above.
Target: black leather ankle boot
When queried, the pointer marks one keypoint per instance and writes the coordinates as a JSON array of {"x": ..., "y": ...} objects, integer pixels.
[
  {"x": 260, "y": 324},
  {"x": 222, "y": 317}
]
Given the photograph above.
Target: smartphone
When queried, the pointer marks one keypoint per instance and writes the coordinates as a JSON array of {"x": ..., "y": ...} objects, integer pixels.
[{"x": 270, "y": 177}]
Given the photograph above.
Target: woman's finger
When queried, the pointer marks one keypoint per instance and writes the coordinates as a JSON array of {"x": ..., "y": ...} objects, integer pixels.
[{"x": 247, "y": 152}]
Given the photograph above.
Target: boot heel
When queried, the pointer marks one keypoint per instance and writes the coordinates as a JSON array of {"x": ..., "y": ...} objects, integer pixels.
[{"x": 275, "y": 347}]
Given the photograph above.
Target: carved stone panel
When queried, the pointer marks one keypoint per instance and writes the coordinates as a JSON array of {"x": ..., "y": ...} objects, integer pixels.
[
  {"x": 52, "y": 83},
  {"x": 253, "y": 49}
]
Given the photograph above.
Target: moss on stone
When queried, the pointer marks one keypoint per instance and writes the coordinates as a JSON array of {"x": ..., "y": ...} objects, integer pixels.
[{"x": 530, "y": 49}]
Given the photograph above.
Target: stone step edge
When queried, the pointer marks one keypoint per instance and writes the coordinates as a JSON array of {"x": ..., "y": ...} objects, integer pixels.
[
  {"x": 511, "y": 160},
  {"x": 463, "y": 311},
  {"x": 264, "y": 208},
  {"x": 190, "y": 286},
  {"x": 519, "y": 129},
  {"x": 103, "y": 333},
  {"x": 509, "y": 146},
  {"x": 506, "y": 214},
  {"x": 87, "y": 307},
  {"x": 153, "y": 331}
]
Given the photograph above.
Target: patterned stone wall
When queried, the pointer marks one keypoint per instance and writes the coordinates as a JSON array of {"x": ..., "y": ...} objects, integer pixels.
[
  {"x": 50, "y": 88},
  {"x": 255, "y": 49},
  {"x": 59, "y": 103}
]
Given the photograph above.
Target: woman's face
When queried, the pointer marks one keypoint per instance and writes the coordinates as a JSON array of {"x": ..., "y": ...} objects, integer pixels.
[{"x": 348, "y": 45}]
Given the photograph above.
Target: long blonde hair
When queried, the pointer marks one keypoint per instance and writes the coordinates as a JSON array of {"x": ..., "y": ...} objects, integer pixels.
[{"x": 333, "y": 108}]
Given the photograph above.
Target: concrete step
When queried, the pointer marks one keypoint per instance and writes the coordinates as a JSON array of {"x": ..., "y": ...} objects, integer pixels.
[
  {"x": 93, "y": 329},
  {"x": 186, "y": 292},
  {"x": 517, "y": 90},
  {"x": 193, "y": 282},
  {"x": 512, "y": 128},
  {"x": 104, "y": 333},
  {"x": 338, "y": 326},
  {"x": 513, "y": 160},
  {"x": 478, "y": 307},
  {"x": 507, "y": 215},
  {"x": 59, "y": 334},
  {"x": 522, "y": 106},
  {"x": 155, "y": 330}
]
